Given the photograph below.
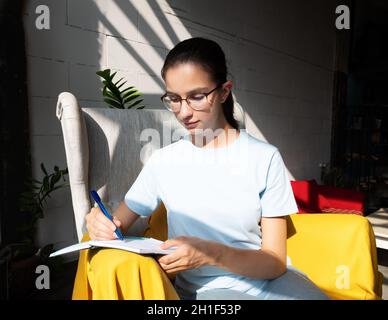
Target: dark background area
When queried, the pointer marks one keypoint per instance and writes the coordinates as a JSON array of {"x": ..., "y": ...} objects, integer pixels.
[
  {"x": 14, "y": 135},
  {"x": 361, "y": 150}
]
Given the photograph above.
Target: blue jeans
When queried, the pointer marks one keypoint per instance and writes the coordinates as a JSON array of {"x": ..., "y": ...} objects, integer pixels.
[{"x": 292, "y": 285}]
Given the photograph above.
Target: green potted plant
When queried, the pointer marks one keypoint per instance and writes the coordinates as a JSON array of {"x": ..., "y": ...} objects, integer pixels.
[
  {"x": 26, "y": 255},
  {"x": 118, "y": 96}
]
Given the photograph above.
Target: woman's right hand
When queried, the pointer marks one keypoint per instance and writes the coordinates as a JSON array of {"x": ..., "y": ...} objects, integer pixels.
[{"x": 99, "y": 226}]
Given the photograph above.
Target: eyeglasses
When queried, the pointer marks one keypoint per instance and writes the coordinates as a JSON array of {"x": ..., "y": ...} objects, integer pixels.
[{"x": 197, "y": 101}]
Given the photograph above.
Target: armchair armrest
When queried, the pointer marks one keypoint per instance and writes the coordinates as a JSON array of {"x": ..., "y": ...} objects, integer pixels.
[{"x": 337, "y": 252}]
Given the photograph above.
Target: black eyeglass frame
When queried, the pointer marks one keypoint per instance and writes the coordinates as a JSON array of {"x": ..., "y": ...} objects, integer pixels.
[{"x": 187, "y": 101}]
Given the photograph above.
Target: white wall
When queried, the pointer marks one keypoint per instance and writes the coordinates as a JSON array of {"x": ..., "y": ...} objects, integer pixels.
[{"x": 280, "y": 55}]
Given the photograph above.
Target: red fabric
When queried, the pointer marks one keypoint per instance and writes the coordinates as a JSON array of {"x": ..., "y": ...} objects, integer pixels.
[
  {"x": 313, "y": 198},
  {"x": 306, "y": 196},
  {"x": 349, "y": 201}
]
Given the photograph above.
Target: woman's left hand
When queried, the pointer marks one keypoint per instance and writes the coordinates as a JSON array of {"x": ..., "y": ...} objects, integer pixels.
[{"x": 191, "y": 253}]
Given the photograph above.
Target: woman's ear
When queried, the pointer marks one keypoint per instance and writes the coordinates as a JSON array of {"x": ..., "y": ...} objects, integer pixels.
[{"x": 226, "y": 89}]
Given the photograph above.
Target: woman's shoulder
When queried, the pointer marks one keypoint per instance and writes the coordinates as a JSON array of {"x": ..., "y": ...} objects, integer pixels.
[{"x": 259, "y": 144}]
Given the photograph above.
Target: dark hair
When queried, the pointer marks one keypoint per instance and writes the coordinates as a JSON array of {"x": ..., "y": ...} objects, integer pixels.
[{"x": 210, "y": 56}]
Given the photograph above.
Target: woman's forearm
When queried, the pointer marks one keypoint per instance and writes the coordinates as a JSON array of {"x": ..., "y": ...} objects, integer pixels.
[
  {"x": 261, "y": 264},
  {"x": 126, "y": 216}
]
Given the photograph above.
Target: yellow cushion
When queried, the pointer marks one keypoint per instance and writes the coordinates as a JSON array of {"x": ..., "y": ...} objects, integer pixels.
[{"x": 336, "y": 251}]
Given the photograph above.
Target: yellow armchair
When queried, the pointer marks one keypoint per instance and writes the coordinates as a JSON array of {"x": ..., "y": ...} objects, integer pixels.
[{"x": 336, "y": 251}]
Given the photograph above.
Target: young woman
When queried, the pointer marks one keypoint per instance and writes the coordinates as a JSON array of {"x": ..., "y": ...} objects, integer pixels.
[{"x": 225, "y": 218}]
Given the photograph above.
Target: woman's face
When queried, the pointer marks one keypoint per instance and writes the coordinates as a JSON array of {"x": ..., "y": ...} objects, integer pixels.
[{"x": 187, "y": 78}]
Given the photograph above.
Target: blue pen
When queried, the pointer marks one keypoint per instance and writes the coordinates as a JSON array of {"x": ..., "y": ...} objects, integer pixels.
[{"x": 96, "y": 198}]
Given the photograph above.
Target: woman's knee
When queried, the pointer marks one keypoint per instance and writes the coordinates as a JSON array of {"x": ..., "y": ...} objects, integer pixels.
[{"x": 107, "y": 260}]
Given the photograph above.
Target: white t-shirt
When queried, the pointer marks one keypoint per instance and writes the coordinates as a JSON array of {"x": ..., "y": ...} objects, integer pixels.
[{"x": 218, "y": 194}]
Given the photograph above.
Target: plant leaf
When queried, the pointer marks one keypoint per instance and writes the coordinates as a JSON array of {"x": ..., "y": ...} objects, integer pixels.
[
  {"x": 132, "y": 97},
  {"x": 134, "y": 104},
  {"x": 46, "y": 183},
  {"x": 116, "y": 83},
  {"x": 113, "y": 103},
  {"x": 109, "y": 95},
  {"x": 119, "y": 87},
  {"x": 54, "y": 180},
  {"x": 114, "y": 91},
  {"x": 43, "y": 168},
  {"x": 112, "y": 75},
  {"x": 104, "y": 73},
  {"x": 127, "y": 92},
  {"x": 114, "y": 96}
]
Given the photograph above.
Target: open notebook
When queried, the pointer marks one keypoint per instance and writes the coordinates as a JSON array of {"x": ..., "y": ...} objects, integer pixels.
[{"x": 140, "y": 245}]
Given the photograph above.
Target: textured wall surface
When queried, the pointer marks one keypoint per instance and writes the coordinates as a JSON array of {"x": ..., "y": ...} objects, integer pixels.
[{"x": 280, "y": 56}]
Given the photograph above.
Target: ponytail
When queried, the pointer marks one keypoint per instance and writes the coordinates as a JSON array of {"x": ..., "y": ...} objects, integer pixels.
[{"x": 228, "y": 108}]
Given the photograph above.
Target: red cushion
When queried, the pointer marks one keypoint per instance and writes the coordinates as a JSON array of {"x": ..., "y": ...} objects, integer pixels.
[
  {"x": 333, "y": 199},
  {"x": 306, "y": 195}
]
